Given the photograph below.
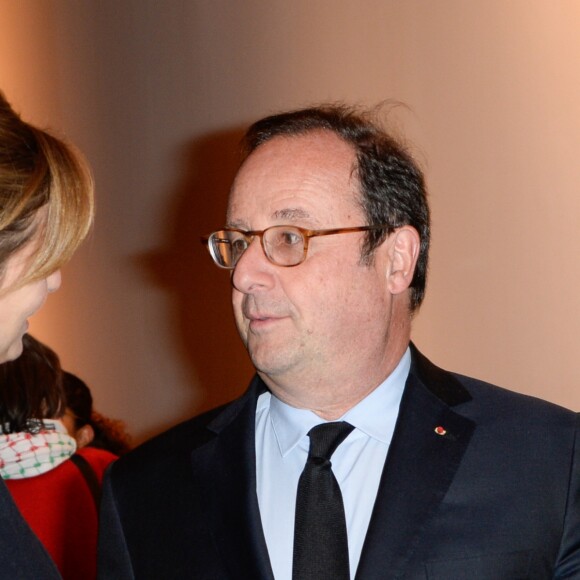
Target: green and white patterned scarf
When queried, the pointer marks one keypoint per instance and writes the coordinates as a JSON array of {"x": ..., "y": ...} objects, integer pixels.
[{"x": 27, "y": 454}]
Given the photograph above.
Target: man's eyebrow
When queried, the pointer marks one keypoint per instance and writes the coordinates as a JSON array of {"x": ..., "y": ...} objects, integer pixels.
[
  {"x": 289, "y": 214},
  {"x": 292, "y": 214},
  {"x": 236, "y": 225}
]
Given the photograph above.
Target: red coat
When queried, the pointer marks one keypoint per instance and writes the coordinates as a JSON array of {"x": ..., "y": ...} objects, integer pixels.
[{"x": 60, "y": 509}]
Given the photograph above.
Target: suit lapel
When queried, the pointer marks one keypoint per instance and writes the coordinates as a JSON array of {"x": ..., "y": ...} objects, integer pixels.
[
  {"x": 425, "y": 453},
  {"x": 226, "y": 471}
]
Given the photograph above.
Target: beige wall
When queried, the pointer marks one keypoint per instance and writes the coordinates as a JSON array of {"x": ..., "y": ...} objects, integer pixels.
[{"x": 155, "y": 93}]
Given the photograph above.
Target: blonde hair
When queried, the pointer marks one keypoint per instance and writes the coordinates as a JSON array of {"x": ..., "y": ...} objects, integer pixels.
[{"x": 38, "y": 170}]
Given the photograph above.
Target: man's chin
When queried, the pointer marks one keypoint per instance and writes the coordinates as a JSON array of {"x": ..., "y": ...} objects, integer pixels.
[{"x": 272, "y": 366}]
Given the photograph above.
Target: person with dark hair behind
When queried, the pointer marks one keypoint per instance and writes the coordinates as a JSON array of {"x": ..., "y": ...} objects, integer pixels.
[
  {"x": 87, "y": 426},
  {"x": 55, "y": 485}
]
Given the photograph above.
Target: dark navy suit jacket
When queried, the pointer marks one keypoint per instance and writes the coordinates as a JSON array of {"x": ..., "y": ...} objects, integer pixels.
[{"x": 496, "y": 496}]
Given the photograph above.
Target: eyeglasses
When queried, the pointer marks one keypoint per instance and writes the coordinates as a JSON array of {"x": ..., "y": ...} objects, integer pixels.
[{"x": 283, "y": 245}]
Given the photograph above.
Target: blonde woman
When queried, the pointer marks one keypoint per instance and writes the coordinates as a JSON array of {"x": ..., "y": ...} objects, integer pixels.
[{"x": 46, "y": 210}]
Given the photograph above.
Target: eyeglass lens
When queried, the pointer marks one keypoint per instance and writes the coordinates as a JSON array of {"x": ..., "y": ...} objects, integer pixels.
[{"x": 283, "y": 245}]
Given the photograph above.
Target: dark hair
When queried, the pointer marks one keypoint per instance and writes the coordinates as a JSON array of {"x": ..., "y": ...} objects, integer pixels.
[
  {"x": 78, "y": 399},
  {"x": 392, "y": 185},
  {"x": 31, "y": 388},
  {"x": 109, "y": 433}
]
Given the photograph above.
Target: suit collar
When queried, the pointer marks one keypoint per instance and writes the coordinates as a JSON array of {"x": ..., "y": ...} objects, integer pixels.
[
  {"x": 246, "y": 403},
  {"x": 226, "y": 470},
  {"x": 428, "y": 445},
  {"x": 437, "y": 381}
]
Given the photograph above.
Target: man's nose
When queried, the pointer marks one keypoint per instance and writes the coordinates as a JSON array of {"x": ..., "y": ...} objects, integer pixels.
[{"x": 253, "y": 270}]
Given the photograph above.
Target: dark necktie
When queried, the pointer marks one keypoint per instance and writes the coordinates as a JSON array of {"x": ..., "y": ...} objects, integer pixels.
[{"x": 320, "y": 541}]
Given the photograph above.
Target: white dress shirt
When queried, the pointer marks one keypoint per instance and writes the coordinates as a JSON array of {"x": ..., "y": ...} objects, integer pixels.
[{"x": 282, "y": 448}]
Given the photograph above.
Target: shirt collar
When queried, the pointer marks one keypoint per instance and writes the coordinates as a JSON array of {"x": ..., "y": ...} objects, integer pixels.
[{"x": 375, "y": 415}]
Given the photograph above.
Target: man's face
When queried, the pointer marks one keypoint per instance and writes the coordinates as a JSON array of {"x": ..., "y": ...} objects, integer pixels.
[{"x": 330, "y": 314}]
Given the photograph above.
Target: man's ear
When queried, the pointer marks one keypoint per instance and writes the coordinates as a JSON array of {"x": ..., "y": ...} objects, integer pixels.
[
  {"x": 84, "y": 436},
  {"x": 403, "y": 253}
]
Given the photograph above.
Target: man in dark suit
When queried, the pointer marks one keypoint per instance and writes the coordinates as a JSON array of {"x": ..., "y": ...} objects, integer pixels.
[{"x": 427, "y": 474}]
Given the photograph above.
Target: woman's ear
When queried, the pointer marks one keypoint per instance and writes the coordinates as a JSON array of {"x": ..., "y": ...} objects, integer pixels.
[
  {"x": 403, "y": 253},
  {"x": 84, "y": 436}
]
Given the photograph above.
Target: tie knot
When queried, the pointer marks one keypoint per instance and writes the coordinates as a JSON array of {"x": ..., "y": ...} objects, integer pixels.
[{"x": 326, "y": 437}]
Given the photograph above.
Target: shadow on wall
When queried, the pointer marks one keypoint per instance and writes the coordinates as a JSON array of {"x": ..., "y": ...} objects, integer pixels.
[{"x": 201, "y": 304}]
